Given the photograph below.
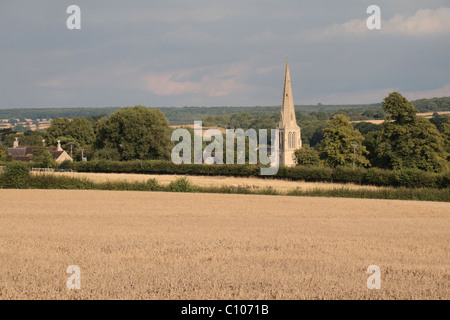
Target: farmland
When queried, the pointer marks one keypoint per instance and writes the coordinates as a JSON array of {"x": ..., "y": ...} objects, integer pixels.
[{"x": 151, "y": 245}]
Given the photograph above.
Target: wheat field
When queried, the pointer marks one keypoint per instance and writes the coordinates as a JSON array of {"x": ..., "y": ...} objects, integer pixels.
[{"x": 152, "y": 245}]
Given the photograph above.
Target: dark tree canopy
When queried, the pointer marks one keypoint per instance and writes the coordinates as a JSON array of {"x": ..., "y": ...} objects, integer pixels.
[
  {"x": 4, "y": 154},
  {"x": 407, "y": 140},
  {"x": 400, "y": 110},
  {"x": 58, "y": 128},
  {"x": 136, "y": 133},
  {"x": 29, "y": 138},
  {"x": 446, "y": 135},
  {"x": 307, "y": 156},
  {"x": 42, "y": 157},
  {"x": 337, "y": 145},
  {"x": 79, "y": 129}
]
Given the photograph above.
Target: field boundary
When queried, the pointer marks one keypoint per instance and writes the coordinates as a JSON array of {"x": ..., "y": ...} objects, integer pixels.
[{"x": 183, "y": 184}]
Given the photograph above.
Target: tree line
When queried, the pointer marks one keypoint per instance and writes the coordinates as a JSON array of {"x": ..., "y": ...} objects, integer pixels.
[
  {"x": 127, "y": 134},
  {"x": 404, "y": 140},
  {"x": 186, "y": 115}
]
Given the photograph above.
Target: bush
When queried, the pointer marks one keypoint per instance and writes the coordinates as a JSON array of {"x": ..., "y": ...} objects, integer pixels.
[
  {"x": 42, "y": 158},
  {"x": 380, "y": 177},
  {"x": 4, "y": 154},
  {"x": 181, "y": 185},
  {"x": 401, "y": 193},
  {"x": 16, "y": 175},
  {"x": 47, "y": 181},
  {"x": 348, "y": 174},
  {"x": 415, "y": 178},
  {"x": 443, "y": 180},
  {"x": 306, "y": 173},
  {"x": 107, "y": 154},
  {"x": 152, "y": 185},
  {"x": 66, "y": 164},
  {"x": 307, "y": 156},
  {"x": 372, "y": 176}
]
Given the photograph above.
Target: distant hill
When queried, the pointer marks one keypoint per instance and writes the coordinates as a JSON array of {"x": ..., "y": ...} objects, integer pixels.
[
  {"x": 186, "y": 115},
  {"x": 51, "y": 113}
]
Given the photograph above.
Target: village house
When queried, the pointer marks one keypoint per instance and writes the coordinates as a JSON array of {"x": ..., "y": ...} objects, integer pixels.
[{"x": 25, "y": 153}]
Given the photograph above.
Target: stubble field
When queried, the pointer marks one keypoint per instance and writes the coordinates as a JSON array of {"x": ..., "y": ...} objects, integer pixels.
[{"x": 152, "y": 245}]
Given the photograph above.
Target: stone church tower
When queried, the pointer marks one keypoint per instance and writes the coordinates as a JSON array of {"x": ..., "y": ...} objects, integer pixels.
[{"x": 290, "y": 134}]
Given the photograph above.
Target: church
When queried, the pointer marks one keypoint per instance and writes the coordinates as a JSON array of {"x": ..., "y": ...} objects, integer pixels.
[{"x": 290, "y": 133}]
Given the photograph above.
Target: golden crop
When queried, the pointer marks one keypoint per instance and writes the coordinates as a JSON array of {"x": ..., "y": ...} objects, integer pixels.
[{"x": 152, "y": 245}]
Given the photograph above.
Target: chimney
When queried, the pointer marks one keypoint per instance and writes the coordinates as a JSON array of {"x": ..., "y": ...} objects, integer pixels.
[
  {"x": 16, "y": 143},
  {"x": 58, "y": 147}
]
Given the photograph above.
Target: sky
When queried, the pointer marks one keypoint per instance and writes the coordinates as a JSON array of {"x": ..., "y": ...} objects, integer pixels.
[{"x": 220, "y": 53}]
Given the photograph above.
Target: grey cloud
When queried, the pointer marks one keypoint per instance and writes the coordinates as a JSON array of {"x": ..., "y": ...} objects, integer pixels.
[{"x": 162, "y": 53}]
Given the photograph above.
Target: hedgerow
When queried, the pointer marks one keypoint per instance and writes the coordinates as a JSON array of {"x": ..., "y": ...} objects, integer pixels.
[{"x": 411, "y": 178}]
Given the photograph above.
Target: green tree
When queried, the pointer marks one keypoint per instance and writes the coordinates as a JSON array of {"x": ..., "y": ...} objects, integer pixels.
[
  {"x": 29, "y": 138},
  {"x": 4, "y": 133},
  {"x": 366, "y": 127},
  {"x": 407, "y": 140},
  {"x": 58, "y": 128},
  {"x": 307, "y": 156},
  {"x": 4, "y": 156},
  {"x": 371, "y": 141},
  {"x": 446, "y": 134},
  {"x": 43, "y": 158},
  {"x": 69, "y": 143},
  {"x": 136, "y": 133},
  {"x": 16, "y": 175},
  {"x": 81, "y": 130},
  {"x": 400, "y": 110},
  {"x": 336, "y": 147},
  {"x": 106, "y": 154},
  {"x": 439, "y": 121},
  {"x": 312, "y": 131},
  {"x": 75, "y": 134},
  {"x": 8, "y": 140}
]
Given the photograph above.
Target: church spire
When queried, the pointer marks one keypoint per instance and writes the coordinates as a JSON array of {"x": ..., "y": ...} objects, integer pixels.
[
  {"x": 290, "y": 132},
  {"x": 287, "y": 107}
]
